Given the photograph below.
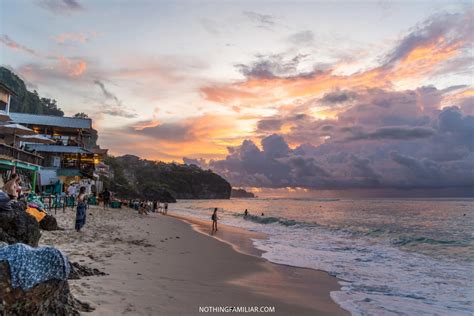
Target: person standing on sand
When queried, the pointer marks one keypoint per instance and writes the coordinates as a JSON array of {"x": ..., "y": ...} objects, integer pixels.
[
  {"x": 214, "y": 220},
  {"x": 106, "y": 197},
  {"x": 81, "y": 209},
  {"x": 165, "y": 208}
]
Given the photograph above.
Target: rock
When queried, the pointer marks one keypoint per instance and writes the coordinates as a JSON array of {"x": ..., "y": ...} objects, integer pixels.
[
  {"x": 48, "y": 298},
  {"x": 49, "y": 223},
  {"x": 241, "y": 193},
  {"x": 18, "y": 226},
  {"x": 78, "y": 271}
]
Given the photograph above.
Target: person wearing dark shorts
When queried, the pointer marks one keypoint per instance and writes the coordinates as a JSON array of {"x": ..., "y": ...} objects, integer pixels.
[
  {"x": 106, "y": 198},
  {"x": 214, "y": 220}
]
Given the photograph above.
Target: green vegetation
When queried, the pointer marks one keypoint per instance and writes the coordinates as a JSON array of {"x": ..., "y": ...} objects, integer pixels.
[
  {"x": 132, "y": 177},
  {"x": 26, "y": 101}
]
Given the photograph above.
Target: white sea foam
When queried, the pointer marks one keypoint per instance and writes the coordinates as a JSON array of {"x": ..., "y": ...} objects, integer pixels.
[{"x": 378, "y": 275}]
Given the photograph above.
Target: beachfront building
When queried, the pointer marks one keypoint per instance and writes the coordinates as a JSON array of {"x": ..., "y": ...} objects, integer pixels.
[
  {"x": 5, "y": 97},
  {"x": 12, "y": 158},
  {"x": 69, "y": 156}
]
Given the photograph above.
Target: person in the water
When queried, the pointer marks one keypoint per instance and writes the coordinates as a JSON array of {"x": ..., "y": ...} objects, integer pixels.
[{"x": 246, "y": 213}]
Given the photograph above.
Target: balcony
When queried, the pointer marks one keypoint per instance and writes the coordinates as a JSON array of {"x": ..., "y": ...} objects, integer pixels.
[{"x": 18, "y": 154}]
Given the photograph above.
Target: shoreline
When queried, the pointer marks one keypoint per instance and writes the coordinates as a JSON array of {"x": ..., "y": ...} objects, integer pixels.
[
  {"x": 240, "y": 240},
  {"x": 161, "y": 265}
]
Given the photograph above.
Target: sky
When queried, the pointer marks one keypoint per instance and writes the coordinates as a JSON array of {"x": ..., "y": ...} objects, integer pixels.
[{"x": 300, "y": 95}]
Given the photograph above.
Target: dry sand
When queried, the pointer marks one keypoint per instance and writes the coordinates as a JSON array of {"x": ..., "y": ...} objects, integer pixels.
[{"x": 159, "y": 265}]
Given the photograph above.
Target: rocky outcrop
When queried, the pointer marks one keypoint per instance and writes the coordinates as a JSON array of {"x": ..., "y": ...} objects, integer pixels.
[
  {"x": 241, "y": 193},
  {"x": 78, "y": 271},
  {"x": 49, "y": 223},
  {"x": 17, "y": 226},
  {"x": 48, "y": 298},
  {"x": 132, "y": 177}
]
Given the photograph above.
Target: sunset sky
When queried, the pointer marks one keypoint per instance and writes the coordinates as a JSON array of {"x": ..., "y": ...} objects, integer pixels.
[{"x": 340, "y": 94}]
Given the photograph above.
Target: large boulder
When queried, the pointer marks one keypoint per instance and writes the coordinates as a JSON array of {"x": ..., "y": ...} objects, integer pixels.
[
  {"x": 17, "y": 226},
  {"x": 49, "y": 223},
  {"x": 48, "y": 298}
]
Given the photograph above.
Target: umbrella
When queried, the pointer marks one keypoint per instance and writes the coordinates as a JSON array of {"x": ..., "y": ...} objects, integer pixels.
[
  {"x": 36, "y": 139},
  {"x": 15, "y": 129}
]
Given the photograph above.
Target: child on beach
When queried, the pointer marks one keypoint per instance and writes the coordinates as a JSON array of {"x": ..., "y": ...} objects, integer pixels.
[
  {"x": 81, "y": 209},
  {"x": 214, "y": 220}
]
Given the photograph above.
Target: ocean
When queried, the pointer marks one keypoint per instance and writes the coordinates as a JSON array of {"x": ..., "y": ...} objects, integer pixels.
[{"x": 392, "y": 256}]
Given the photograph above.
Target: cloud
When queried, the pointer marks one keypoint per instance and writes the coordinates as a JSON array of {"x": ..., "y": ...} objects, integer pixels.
[
  {"x": 338, "y": 96},
  {"x": 301, "y": 38},
  {"x": 265, "y": 21},
  {"x": 107, "y": 94},
  {"x": 175, "y": 132},
  {"x": 395, "y": 133},
  {"x": 56, "y": 69},
  {"x": 61, "y": 6},
  {"x": 430, "y": 148},
  {"x": 210, "y": 26},
  {"x": 7, "y": 41},
  {"x": 81, "y": 37},
  {"x": 269, "y": 125},
  {"x": 438, "y": 43},
  {"x": 273, "y": 66},
  {"x": 439, "y": 33},
  {"x": 115, "y": 109}
]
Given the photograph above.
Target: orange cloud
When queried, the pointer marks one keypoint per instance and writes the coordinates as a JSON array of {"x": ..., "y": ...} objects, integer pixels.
[
  {"x": 419, "y": 63},
  {"x": 71, "y": 67},
  {"x": 74, "y": 37}
]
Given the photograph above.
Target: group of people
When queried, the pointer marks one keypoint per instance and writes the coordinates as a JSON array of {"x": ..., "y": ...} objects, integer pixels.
[{"x": 146, "y": 207}]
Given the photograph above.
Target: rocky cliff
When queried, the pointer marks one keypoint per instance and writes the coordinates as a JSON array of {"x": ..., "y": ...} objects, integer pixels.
[{"x": 132, "y": 177}]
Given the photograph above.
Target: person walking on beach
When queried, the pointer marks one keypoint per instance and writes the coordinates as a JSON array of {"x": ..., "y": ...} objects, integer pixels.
[
  {"x": 165, "y": 208},
  {"x": 81, "y": 209},
  {"x": 246, "y": 213},
  {"x": 12, "y": 186},
  {"x": 214, "y": 220},
  {"x": 106, "y": 198}
]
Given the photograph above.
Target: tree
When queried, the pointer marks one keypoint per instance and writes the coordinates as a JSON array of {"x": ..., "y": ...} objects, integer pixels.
[{"x": 81, "y": 115}]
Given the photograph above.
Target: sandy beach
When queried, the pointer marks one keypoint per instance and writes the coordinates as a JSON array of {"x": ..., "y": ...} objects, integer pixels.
[{"x": 163, "y": 265}]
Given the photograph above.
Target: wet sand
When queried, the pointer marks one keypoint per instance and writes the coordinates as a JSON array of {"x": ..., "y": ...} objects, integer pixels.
[{"x": 160, "y": 265}]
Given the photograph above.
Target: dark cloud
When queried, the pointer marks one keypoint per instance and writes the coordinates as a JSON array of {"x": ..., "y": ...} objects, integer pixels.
[
  {"x": 409, "y": 144},
  {"x": 265, "y": 21},
  {"x": 115, "y": 109},
  {"x": 275, "y": 66},
  {"x": 269, "y": 125},
  {"x": 107, "y": 94},
  {"x": 394, "y": 132},
  {"x": 61, "y": 6},
  {"x": 168, "y": 132},
  {"x": 339, "y": 96}
]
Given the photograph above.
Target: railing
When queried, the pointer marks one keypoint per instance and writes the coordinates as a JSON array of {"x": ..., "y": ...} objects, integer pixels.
[{"x": 20, "y": 155}]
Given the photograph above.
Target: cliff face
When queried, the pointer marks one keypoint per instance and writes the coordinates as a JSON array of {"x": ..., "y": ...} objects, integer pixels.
[{"x": 140, "y": 178}]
